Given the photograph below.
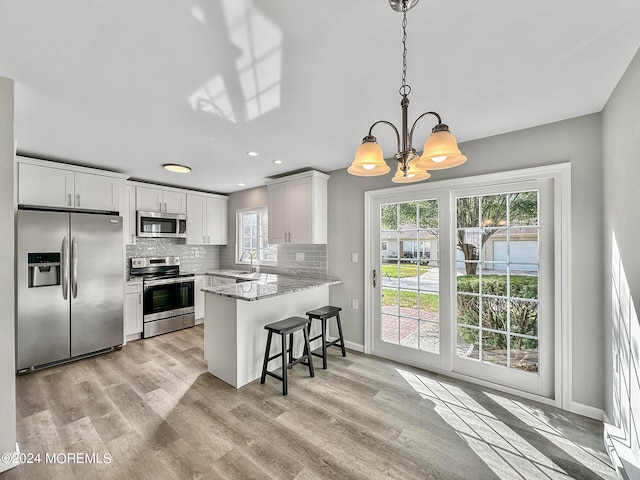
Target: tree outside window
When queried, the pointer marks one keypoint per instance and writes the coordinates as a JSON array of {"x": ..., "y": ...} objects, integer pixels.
[{"x": 253, "y": 237}]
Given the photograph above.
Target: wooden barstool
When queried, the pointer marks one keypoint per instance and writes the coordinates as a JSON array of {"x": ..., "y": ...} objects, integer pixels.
[
  {"x": 283, "y": 328},
  {"x": 323, "y": 314}
]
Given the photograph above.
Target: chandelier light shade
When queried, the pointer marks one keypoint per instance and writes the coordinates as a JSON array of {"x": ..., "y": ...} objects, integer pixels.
[
  {"x": 369, "y": 161},
  {"x": 413, "y": 174},
  {"x": 440, "y": 150}
]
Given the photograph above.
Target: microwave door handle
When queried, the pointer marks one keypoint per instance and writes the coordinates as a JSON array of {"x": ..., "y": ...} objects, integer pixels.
[
  {"x": 74, "y": 267},
  {"x": 65, "y": 268}
]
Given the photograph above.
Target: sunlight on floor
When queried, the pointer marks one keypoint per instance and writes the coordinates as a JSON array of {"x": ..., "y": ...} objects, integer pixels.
[
  {"x": 538, "y": 421},
  {"x": 502, "y": 449}
]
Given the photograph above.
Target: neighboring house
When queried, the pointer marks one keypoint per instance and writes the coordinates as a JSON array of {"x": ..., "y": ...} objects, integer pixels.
[{"x": 519, "y": 245}]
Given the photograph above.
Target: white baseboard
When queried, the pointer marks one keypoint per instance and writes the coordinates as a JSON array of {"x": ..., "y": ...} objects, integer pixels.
[
  {"x": 350, "y": 345},
  {"x": 132, "y": 337},
  {"x": 4, "y": 466},
  {"x": 587, "y": 411},
  {"x": 621, "y": 455},
  {"x": 199, "y": 321}
]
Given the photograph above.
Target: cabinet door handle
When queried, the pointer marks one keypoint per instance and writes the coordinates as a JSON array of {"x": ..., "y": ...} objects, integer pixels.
[
  {"x": 165, "y": 206},
  {"x": 78, "y": 200},
  {"x": 69, "y": 200},
  {"x": 139, "y": 299},
  {"x": 208, "y": 239},
  {"x": 132, "y": 240}
]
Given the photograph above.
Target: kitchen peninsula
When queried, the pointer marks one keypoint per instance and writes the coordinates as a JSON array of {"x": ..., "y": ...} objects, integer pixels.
[{"x": 236, "y": 313}]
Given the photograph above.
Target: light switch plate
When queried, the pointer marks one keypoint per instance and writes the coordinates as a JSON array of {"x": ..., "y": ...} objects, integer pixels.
[
  {"x": 300, "y": 257},
  {"x": 354, "y": 257},
  {"x": 354, "y": 304}
]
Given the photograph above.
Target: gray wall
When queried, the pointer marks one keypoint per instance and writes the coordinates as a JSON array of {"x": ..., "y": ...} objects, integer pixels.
[
  {"x": 576, "y": 140},
  {"x": 7, "y": 319},
  {"x": 621, "y": 173}
]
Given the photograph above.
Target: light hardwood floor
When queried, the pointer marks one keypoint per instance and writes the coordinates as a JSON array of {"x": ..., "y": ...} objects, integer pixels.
[{"x": 155, "y": 412}]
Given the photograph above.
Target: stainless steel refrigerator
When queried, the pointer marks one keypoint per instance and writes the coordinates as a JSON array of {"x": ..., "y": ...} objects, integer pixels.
[{"x": 70, "y": 285}]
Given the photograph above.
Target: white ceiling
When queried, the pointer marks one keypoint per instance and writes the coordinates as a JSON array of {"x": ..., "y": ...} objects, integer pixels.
[{"x": 128, "y": 85}]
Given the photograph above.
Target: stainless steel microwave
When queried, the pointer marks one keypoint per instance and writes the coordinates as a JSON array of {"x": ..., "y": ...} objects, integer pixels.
[{"x": 162, "y": 224}]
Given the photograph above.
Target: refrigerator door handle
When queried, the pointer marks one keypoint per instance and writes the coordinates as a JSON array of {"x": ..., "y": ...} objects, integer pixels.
[
  {"x": 65, "y": 268},
  {"x": 74, "y": 267}
]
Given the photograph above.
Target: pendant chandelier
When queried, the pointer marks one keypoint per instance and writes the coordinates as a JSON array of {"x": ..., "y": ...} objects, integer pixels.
[{"x": 440, "y": 150}]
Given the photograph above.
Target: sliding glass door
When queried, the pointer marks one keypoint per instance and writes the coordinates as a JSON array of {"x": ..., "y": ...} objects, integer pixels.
[{"x": 462, "y": 281}]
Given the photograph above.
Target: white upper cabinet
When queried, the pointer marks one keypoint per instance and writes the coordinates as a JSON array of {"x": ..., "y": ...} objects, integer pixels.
[
  {"x": 158, "y": 200},
  {"x": 298, "y": 208},
  {"x": 65, "y": 186},
  {"x": 97, "y": 192},
  {"x": 129, "y": 214},
  {"x": 216, "y": 216},
  {"x": 196, "y": 223},
  {"x": 206, "y": 220}
]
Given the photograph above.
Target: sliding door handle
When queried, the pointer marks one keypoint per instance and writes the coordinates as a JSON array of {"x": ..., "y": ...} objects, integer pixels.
[{"x": 375, "y": 279}]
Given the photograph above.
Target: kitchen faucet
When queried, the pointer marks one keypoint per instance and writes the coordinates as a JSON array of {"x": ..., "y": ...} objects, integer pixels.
[{"x": 252, "y": 269}]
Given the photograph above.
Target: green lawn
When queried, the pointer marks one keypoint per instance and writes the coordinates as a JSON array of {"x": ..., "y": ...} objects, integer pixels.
[
  {"x": 409, "y": 299},
  {"x": 406, "y": 270}
]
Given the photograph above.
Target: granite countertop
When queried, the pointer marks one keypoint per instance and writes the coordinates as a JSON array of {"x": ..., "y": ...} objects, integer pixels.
[{"x": 255, "y": 286}]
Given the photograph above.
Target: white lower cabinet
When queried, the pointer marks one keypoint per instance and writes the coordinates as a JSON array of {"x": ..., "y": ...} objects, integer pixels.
[
  {"x": 201, "y": 282},
  {"x": 133, "y": 308}
]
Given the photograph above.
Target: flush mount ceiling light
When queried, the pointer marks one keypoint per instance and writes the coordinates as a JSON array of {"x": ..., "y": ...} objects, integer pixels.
[
  {"x": 252, "y": 154},
  {"x": 440, "y": 150},
  {"x": 176, "y": 168}
]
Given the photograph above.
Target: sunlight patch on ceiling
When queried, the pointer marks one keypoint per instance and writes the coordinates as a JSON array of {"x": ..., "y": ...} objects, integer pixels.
[
  {"x": 258, "y": 66},
  {"x": 198, "y": 14},
  {"x": 213, "y": 98}
]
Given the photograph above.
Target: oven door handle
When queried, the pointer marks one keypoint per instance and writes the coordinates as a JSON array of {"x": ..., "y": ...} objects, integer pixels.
[{"x": 167, "y": 281}]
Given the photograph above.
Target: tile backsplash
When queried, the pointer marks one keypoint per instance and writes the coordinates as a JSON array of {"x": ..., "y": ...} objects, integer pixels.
[
  {"x": 301, "y": 259},
  {"x": 307, "y": 260},
  {"x": 193, "y": 258}
]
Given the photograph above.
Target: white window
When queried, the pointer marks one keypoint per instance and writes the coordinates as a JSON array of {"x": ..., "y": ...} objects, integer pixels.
[{"x": 252, "y": 237}]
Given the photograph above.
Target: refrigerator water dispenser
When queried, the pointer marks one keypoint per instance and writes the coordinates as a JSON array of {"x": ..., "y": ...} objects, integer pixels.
[{"x": 44, "y": 269}]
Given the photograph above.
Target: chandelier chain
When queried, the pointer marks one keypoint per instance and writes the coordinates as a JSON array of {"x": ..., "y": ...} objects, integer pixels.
[{"x": 404, "y": 89}]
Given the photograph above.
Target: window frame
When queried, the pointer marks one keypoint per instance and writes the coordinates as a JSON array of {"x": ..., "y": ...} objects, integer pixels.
[{"x": 239, "y": 236}]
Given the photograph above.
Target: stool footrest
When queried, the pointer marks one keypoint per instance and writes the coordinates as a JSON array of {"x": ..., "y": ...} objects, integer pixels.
[{"x": 274, "y": 375}]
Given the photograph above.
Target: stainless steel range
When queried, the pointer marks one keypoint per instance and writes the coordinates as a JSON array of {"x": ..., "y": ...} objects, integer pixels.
[{"x": 168, "y": 299}]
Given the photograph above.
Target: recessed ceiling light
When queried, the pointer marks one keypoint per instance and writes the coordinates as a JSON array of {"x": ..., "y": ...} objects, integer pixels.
[
  {"x": 241, "y": 184},
  {"x": 252, "y": 154},
  {"x": 176, "y": 168},
  {"x": 278, "y": 162}
]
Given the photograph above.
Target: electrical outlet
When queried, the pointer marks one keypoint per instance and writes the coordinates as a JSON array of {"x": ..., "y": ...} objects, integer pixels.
[
  {"x": 300, "y": 257},
  {"x": 354, "y": 304},
  {"x": 354, "y": 257}
]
